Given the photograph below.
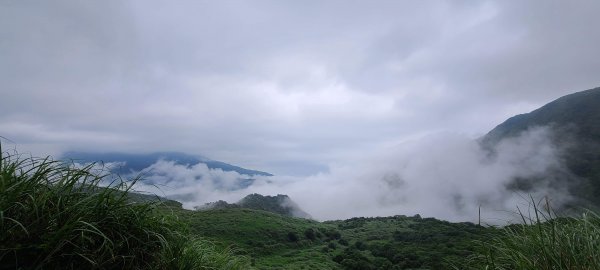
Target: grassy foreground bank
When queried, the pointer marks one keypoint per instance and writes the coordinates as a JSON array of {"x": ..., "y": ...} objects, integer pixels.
[
  {"x": 54, "y": 216},
  {"x": 543, "y": 241}
]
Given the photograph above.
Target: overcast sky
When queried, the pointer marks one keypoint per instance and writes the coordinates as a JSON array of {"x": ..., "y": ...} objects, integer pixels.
[{"x": 288, "y": 87}]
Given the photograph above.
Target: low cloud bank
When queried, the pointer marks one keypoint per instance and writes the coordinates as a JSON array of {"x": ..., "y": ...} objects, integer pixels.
[{"x": 447, "y": 176}]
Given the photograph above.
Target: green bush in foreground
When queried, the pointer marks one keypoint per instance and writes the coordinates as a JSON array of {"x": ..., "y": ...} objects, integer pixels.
[
  {"x": 544, "y": 242},
  {"x": 58, "y": 217}
]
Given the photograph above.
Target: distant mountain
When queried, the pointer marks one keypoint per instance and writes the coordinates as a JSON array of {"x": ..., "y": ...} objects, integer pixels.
[
  {"x": 137, "y": 162},
  {"x": 575, "y": 122},
  {"x": 280, "y": 204}
]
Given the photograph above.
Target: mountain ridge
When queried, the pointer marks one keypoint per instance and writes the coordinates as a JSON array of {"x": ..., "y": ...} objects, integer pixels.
[
  {"x": 574, "y": 121},
  {"x": 578, "y": 108},
  {"x": 138, "y": 162}
]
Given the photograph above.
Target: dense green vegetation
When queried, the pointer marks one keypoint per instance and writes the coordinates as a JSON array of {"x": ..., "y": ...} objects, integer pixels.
[
  {"x": 279, "y": 242},
  {"x": 273, "y": 241},
  {"x": 58, "y": 217},
  {"x": 402, "y": 242}
]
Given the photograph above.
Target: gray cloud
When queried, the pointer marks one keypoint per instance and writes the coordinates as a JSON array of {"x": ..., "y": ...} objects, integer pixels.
[{"x": 266, "y": 84}]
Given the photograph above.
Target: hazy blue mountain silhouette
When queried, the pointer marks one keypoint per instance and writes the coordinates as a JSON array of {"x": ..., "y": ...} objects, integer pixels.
[{"x": 138, "y": 162}]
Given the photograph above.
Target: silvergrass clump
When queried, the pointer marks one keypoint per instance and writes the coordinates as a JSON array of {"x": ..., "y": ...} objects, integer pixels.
[
  {"x": 194, "y": 253},
  {"x": 543, "y": 241},
  {"x": 54, "y": 216}
]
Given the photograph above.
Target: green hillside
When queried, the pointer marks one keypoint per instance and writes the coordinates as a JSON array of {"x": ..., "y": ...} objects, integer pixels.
[{"x": 274, "y": 241}]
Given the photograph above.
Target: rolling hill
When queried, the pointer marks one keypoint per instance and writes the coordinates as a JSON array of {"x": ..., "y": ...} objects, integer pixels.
[
  {"x": 280, "y": 204},
  {"x": 274, "y": 241}
]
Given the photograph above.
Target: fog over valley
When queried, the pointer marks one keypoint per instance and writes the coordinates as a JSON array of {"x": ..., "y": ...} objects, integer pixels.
[{"x": 444, "y": 175}]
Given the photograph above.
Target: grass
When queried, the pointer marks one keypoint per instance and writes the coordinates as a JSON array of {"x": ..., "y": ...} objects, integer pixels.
[
  {"x": 544, "y": 241},
  {"x": 54, "y": 216}
]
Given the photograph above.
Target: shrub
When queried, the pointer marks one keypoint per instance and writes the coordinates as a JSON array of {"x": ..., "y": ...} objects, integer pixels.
[
  {"x": 292, "y": 237},
  {"x": 310, "y": 234}
]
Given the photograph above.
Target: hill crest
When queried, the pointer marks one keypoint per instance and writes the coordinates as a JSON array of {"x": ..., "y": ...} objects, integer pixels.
[{"x": 279, "y": 204}]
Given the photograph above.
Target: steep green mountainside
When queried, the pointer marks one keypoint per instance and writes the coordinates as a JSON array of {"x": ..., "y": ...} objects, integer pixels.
[
  {"x": 575, "y": 122},
  {"x": 579, "y": 111},
  {"x": 278, "y": 242},
  {"x": 280, "y": 204}
]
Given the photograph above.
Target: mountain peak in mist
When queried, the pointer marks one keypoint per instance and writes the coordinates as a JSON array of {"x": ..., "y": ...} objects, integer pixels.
[
  {"x": 580, "y": 112},
  {"x": 574, "y": 122},
  {"x": 280, "y": 204}
]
